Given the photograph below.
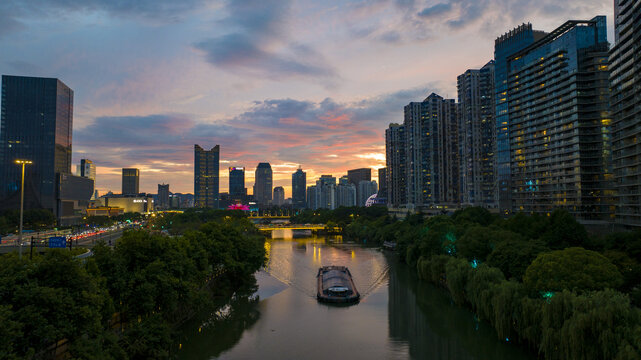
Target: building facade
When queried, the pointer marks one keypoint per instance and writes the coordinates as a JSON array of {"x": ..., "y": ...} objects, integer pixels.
[
  {"x": 625, "y": 82},
  {"x": 326, "y": 192},
  {"x": 345, "y": 193},
  {"x": 163, "y": 196},
  {"x": 87, "y": 169},
  {"x": 432, "y": 153},
  {"x": 36, "y": 124},
  {"x": 382, "y": 181},
  {"x": 504, "y": 46},
  {"x": 130, "y": 181},
  {"x": 355, "y": 176},
  {"x": 395, "y": 159},
  {"x": 206, "y": 177},
  {"x": 237, "y": 190},
  {"x": 279, "y": 196},
  {"x": 559, "y": 123},
  {"x": 263, "y": 184},
  {"x": 299, "y": 186},
  {"x": 477, "y": 136},
  {"x": 365, "y": 190}
]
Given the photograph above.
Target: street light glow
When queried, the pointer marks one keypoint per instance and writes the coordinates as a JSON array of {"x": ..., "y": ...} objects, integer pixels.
[{"x": 24, "y": 162}]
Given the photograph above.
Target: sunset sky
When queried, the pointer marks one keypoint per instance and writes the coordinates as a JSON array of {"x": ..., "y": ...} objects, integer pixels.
[{"x": 313, "y": 83}]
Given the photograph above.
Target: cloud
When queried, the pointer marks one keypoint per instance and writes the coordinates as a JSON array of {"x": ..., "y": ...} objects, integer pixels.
[
  {"x": 259, "y": 44},
  {"x": 435, "y": 11},
  {"x": 13, "y": 13},
  {"x": 324, "y": 136}
]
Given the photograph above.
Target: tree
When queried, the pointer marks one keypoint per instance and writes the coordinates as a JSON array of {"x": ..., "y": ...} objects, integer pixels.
[
  {"x": 514, "y": 255},
  {"x": 574, "y": 269},
  {"x": 474, "y": 214},
  {"x": 563, "y": 231}
]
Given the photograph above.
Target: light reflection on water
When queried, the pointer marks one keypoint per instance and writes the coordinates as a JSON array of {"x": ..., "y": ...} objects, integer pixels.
[{"x": 397, "y": 317}]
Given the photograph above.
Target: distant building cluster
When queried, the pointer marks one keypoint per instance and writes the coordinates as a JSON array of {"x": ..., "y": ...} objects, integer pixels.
[{"x": 553, "y": 121}]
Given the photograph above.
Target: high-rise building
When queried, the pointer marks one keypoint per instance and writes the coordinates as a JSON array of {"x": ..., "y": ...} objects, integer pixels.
[
  {"x": 279, "y": 196},
  {"x": 382, "y": 180},
  {"x": 263, "y": 184},
  {"x": 432, "y": 152},
  {"x": 355, "y": 176},
  {"x": 36, "y": 124},
  {"x": 326, "y": 192},
  {"x": 395, "y": 161},
  {"x": 559, "y": 123},
  {"x": 37, "y": 118},
  {"x": 311, "y": 197},
  {"x": 299, "y": 185},
  {"x": 163, "y": 196},
  {"x": 477, "y": 136},
  {"x": 504, "y": 46},
  {"x": 206, "y": 176},
  {"x": 625, "y": 82},
  {"x": 237, "y": 190},
  {"x": 87, "y": 169},
  {"x": 130, "y": 181},
  {"x": 365, "y": 190},
  {"x": 345, "y": 193}
]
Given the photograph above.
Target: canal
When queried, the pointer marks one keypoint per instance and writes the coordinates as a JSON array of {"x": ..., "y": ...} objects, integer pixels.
[{"x": 398, "y": 317}]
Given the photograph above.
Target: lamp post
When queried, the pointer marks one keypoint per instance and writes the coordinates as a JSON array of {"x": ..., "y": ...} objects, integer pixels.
[{"x": 23, "y": 163}]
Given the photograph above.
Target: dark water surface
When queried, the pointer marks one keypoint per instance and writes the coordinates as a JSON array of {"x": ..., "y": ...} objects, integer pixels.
[{"x": 397, "y": 317}]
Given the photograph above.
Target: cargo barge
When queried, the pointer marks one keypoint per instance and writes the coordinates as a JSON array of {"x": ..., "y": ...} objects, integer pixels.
[{"x": 335, "y": 285}]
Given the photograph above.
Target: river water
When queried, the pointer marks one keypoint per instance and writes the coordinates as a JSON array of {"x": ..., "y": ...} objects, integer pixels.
[{"x": 398, "y": 317}]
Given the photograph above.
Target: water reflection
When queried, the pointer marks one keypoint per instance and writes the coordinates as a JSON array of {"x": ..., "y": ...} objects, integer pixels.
[
  {"x": 397, "y": 318},
  {"x": 424, "y": 317}
]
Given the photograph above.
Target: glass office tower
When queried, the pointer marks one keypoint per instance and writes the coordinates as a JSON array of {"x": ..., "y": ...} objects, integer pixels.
[
  {"x": 559, "y": 123},
  {"x": 625, "y": 82},
  {"x": 36, "y": 124},
  {"x": 206, "y": 181},
  {"x": 504, "y": 46}
]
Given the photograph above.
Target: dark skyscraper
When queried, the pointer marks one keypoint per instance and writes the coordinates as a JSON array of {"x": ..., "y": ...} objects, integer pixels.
[
  {"x": 625, "y": 82},
  {"x": 299, "y": 187},
  {"x": 263, "y": 184},
  {"x": 432, "y": 152},
  {"x": 130, "y": 181},
  {"x": 279, "y": 196},
  {"x": 559, "y": 123},
  {"x": 504, "y": 46},
  {"x": 355, "y": 176},
  {"x": 395, "y": 161},
  {"x": 163, "y": 196},
  {"x": 382, "y": 183},
  {"x": 477, "y": 136},
  {"x": 206, "y": 179},
  {"x": 237, "y": 191},
  {"x": 36, "y": 125}
]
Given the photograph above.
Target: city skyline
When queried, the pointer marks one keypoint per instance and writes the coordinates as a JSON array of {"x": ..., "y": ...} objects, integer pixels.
[{"x": 151, "y": 70}]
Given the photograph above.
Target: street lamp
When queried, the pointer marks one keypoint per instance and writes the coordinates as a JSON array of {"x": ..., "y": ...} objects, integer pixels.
[{"x": 23, "y": 163}]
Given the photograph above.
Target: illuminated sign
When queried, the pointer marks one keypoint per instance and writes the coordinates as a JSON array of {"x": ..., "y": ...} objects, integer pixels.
[
  {"x": 236, "y": 168},
  {"x": 140, "y": 201}
]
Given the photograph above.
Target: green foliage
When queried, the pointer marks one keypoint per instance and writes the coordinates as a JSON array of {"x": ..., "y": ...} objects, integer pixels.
[
  {"x": 457, "y": 272},
  {"x": 476, "y": 215},
  {"x": 563, "y": 231},
  {"x": 572, "y": 269},
  {"x": 152, "y": 281},
  {"x": 341, "y": 216},
  {"x": 514, "y": 254},
  {"x": 477, "y": 243}
]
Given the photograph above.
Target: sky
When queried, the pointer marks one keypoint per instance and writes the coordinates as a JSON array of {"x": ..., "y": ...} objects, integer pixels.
[{"x": 290, "y": 82}]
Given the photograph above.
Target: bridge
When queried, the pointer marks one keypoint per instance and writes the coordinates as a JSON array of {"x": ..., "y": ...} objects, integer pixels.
[
  {"x": 269, "y": 216},
  {"x": 312, "y": 227}
]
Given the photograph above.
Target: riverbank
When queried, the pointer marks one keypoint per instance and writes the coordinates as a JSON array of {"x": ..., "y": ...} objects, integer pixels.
[{"x": 540, "y": 281}]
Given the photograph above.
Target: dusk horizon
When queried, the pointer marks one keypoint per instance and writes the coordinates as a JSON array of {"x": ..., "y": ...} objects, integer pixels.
[{"x": 284, "y": 82}]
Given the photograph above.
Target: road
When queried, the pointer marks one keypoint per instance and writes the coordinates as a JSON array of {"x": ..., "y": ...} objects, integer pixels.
[{"x": 109, "y": 237}]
